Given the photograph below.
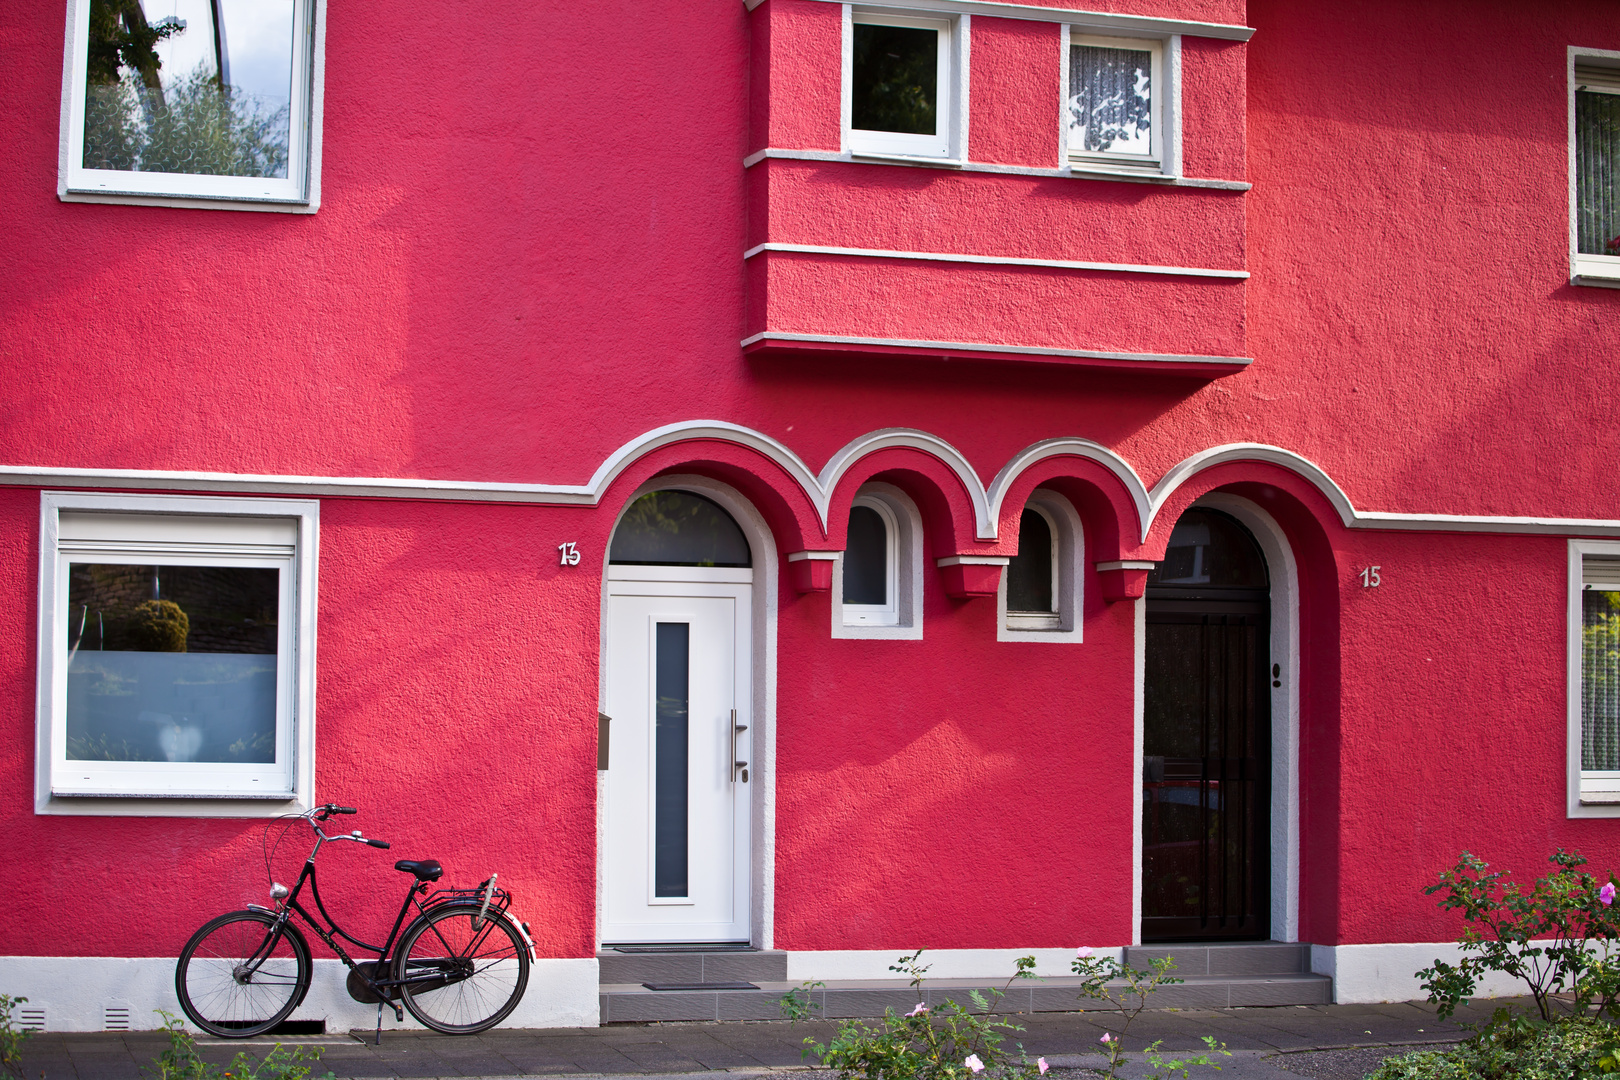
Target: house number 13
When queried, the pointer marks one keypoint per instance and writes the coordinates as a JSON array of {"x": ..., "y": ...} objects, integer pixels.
[
  {"x": 569, "y": 553},
  {"x": 1369, "y": 577}
]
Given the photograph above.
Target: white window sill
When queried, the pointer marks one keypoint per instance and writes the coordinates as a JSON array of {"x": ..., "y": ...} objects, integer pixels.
[
  {"x": 192, "y": 202},
  {"x": 906, "y": 159},
  {"x": 1600, "y": 270}
]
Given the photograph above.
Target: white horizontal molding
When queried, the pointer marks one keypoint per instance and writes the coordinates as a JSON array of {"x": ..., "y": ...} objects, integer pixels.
[
  {"x": 973, "y": 560},
  {"x": 1061, "y": 171},
  {"x": 996, "y": 260},
  {"x": 1126, "y": 564},
  {"x": 986, "y": 500},
  {"x": 1235, "y": 362},
  {"x": 813, "y": 556},
  {"x": 1091, "y": 20}
]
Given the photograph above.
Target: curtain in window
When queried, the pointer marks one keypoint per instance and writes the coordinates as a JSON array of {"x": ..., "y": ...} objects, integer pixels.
[
  {"x": 1597, "y": 152},
  {"x": 1600, "y": 680},
  {"x": 1111, "y": 100}
]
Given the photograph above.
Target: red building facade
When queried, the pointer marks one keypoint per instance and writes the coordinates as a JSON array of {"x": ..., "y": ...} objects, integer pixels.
[{"x": 1178, "y": 420}]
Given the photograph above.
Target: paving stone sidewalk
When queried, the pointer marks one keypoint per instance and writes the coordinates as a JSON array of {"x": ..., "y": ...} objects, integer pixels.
[{"x": 1268, "y": 1044}]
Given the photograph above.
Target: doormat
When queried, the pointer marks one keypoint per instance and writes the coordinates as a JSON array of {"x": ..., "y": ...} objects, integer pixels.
[
  {"x": 738, "y": 947},
  {"x": 701, "y": 986}
]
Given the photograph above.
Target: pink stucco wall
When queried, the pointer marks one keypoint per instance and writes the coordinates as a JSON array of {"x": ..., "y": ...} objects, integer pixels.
[{"x": 529, "y": 252}]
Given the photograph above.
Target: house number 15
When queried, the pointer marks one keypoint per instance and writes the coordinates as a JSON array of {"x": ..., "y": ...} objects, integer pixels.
[
  {"x": 569, "y": 553},
  {"x": 1369, "y": 577}
]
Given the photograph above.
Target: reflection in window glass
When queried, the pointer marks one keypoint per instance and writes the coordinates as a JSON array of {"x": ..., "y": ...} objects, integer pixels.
[
  {"x": 172, "y": 663},
  {"x": 1597, "y": 166},
  {"x": 896, "y": 79},
  {"x": 1600, "y": 680},
  {"x": 1208, "y": 548},
  {"x": 1029, "y": 574},
  {"x": 866, "y": 558},
  {"x": 1111, "y": 100},
  {"x": 678, "y": 528},
  {"x": 189, "y": 86},
  {"x": 671, "y": 776}
]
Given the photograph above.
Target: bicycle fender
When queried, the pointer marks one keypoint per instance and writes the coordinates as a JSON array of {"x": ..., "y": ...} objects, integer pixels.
[
  {"x": 522, "y": 928},
  {"x": 290, "y": 928}
]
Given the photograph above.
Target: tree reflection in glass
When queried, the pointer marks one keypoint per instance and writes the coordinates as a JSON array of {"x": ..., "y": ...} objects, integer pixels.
[
  {"x": 205, "y": 88},
  {"x": 896, "y": 76}
]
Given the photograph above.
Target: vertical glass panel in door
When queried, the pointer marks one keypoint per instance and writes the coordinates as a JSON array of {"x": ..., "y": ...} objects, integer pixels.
[
  {"x": 202, "y": 87},
  {"x": 866, "y": 558},
  {"x": 896, "y": 79},
  {"x": 670, "y": 772},
  {"x": 172, "y": 663}
]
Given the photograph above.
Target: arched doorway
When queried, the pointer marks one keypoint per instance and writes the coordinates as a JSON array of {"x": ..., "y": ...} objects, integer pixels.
[
  {"x": 1206, "y": 702},
  {"x": 677, "y": 683}
]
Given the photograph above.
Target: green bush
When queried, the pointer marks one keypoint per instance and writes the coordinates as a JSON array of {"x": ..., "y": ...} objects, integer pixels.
[
  {"x": 1518, "y": 1048},
  {"x": 11, "y": 1038},
  {"x": 160, "y": 626},
  {"x": 182, "y": 1062}
]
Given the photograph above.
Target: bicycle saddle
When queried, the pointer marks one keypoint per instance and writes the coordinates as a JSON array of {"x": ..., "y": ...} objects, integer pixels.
[{"x": 426, "y": 870}]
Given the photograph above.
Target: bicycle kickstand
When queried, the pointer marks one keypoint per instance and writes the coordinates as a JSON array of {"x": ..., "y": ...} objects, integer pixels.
[{"x": 379, "y": 1023}]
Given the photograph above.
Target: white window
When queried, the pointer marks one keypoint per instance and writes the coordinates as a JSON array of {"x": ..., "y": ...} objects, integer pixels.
[
  {"x": 1039, "y": 597},
  {"x": 176, "y": 658},
  {"x": 1595, "y": 169},
  {"x": 903, "y": 92},
  {"x": 210, "y": 100},
  {"x": 1594, "y": 679},
  {"x": 1115, "y": 114},
  {"x": 877, "y": 581}
]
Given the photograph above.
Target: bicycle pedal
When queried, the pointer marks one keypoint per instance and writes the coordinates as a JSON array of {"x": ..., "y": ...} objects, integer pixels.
[{"x": 399, "y": 1015}]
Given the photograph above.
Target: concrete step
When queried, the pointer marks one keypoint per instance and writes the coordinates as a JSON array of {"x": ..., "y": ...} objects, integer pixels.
[
  {"x": 690, "y": 966},
  {"x": 1227, "y": 958},
  {"x": 633, "y": 1003}
]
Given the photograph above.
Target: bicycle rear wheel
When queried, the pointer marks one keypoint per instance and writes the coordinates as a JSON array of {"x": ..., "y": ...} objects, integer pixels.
[
  {"x": 458, "y": 978},
  {"x": 242, "y": 974}
]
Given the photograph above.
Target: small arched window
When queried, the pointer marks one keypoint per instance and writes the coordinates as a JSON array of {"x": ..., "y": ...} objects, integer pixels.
[
  {"x": 678, "y": 528},
  {"x": 869, "y": 591},
  {"x": 877, "y": 581},
  {"x": 1040, "y": 589},
  {"x": 1032, "y": 573}
]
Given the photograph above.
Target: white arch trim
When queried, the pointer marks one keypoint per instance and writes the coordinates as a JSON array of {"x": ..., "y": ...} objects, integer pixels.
[{"x": 986, "y": 501}]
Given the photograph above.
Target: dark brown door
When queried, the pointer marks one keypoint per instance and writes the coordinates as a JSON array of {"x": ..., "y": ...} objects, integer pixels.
[{"x": 1206, "y": 772}]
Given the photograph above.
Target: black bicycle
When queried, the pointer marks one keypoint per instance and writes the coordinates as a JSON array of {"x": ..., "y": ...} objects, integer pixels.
[{"x": 460, "y": 967}]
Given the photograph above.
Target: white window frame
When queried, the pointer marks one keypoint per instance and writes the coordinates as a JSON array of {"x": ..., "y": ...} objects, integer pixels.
[
  {"x": 299, "y": 192},
  {"x": 1165, "y": 158},
  {"x": 1594, "y": 793},
  {"x": 186, "y": 530},
  {"x": 1066, "y": 623},
  {"x": 901, "y": 617},
  {"x": 949, "y": 141},
  {"x": 1600, "y": 270}
]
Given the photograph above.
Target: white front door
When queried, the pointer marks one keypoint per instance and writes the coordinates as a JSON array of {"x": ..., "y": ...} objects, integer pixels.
[{"x": 676, "y": 830}]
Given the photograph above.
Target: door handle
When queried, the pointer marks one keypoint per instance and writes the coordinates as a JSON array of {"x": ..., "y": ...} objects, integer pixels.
[{"x": 737, "y": 767}]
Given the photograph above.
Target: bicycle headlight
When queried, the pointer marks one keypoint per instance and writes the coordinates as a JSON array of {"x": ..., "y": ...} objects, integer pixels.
[{"x": 278, "y": 891}]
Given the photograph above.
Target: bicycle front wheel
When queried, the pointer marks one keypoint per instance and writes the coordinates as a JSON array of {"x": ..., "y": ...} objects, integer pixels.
[
  {"x": 459, "y": 974},
  {"x": 242, "y": 974}
]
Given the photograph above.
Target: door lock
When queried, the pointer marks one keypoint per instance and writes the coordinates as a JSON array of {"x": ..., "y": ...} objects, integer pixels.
[{"x": 738, "y": 768}]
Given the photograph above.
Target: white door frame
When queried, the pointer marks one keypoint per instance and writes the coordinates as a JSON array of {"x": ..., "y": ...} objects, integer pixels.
[
  {"x": 1284, "y": 574},
  {"x": 762, "y": 781}
]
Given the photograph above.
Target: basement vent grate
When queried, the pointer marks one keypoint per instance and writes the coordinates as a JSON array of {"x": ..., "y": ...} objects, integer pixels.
[
  {"x": 115, "y": 1018},
  {"x": 31, "y": 1018}
]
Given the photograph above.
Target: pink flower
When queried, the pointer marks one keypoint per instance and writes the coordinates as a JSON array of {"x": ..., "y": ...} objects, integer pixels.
[
  {"x": 1606, "y": 894},
  {"x": 1043, "y": 1065},
  {"x": 974, "y": 1063},
  {"x": 1106, "y": 1039},
  {"x": 919, "y": 1010},
  {"x": 1085, "y": 952}
]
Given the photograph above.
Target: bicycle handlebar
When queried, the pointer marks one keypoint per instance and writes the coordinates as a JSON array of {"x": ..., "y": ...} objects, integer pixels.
[{"x": 385, "y": 845}]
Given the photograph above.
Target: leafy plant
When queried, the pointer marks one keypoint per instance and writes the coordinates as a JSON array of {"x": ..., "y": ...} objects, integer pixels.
[
  {"x": 180, "y": 1061},
  {"x": 11, "y": 1038},
  {"x": 946, "y": 1042},
  {"x": 1522, "y": 1048},
  {"x": 1556, "y": 936},
  {"x": 1127, "y": 989}
]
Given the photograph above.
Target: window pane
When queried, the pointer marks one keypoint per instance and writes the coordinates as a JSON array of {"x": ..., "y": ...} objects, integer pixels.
[
  {"x": 1029, "y": 575},
  {"x": 1110, "y": 100},
  {"x": 172, "y": 663},
  {"x": 1597, "y": 149},
  {"x": 670, "y": 760},
  {"x": 896, "y": 76},
  {"x": 189, "y": 86},
  {"x": 677, "y": 528},
  {"x": 866, "y": 558},
  {"x": 1209, "y": 548},
  {"x": 1600, "y": 680}
]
